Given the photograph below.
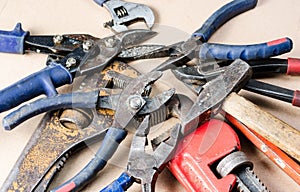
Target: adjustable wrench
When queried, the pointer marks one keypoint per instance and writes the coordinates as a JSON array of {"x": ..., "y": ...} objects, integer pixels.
[{"x": 124, "y": 13}]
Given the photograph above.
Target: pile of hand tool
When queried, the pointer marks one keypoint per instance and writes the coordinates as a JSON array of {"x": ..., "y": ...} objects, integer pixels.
[{"x": 203, "y": 152}]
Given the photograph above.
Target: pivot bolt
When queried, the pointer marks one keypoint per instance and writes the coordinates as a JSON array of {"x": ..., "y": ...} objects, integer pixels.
[
  {"x": 70, "y": 62},
  {"x": 87, "y": 44},
  {"x": 57, "y": 39},
  {"x": 136, "y": 102},
  {"x": 110, "y": 43}
]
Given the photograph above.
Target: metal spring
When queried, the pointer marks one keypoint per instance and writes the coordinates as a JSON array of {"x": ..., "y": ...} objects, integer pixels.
[
  {"x": 159, "y": 115},
  {"x": 121, "y": 12},
  {"x": 119, "y": 83},
  {"x": 60, "y": 164}
]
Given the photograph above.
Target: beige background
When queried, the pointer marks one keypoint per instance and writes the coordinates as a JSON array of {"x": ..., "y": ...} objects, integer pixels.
[{"x": 271, "y": 19}]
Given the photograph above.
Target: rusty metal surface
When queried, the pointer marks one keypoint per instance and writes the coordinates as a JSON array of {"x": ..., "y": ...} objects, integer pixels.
[{"x": 52, "y": 143}]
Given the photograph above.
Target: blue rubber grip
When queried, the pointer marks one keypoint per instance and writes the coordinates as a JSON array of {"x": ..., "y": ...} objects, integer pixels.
[
  {"x": 245, "y": 52},
  {"x": 72, "y": 100},
  {"x": 42, "y": 82},
  {"x": 13, "y": 41},
  {"x": 100, "y": 2},
  {"x": 112, "y": 139},
  {"x": 221, "y": 16},
  {"x": 119, "y": 185}
]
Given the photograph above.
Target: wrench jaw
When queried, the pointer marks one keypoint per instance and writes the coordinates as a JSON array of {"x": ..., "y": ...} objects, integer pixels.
[{"x": 125, "y": 13}]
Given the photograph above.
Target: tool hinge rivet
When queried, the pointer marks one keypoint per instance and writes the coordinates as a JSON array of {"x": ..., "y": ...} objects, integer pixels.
[
  {"x": 57, "y": 39},
  {"x": 70, "y": 62},
  {"x": 136, "y": 102},
  {"x": 110, "y": 43},
  {"x": 87, "y": 44}
]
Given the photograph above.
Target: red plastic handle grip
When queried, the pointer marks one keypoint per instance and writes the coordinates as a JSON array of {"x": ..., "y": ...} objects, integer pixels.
[
  {"x": 293, "y": 66},
  {"x": 296, "y": 99}
]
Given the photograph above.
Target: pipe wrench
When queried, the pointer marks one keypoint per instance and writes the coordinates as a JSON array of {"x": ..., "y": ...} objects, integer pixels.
[{"x": 210, "y": 159}]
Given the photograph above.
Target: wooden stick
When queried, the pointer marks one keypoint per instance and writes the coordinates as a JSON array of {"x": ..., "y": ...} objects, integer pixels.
[
  {"x": 281, "y": 159},
  {"x": 271, "y": 128}
]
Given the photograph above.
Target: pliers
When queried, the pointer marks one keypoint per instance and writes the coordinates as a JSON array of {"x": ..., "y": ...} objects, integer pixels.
[
  {"x": 77, "y": 55},
  {"x": 143, "y": 167},
  {"x": 196, "y": 76},
  {"x": 197, "y": 47},
  {"x": 132, "y": 102}
]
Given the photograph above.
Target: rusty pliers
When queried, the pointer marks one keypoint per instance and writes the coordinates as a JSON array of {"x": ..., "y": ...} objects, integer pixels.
[
  {"x": 133, "y": 101},
  {"x": 77, "y": 55},
  {"x": 197, "y": 45},
  {"x": 143, "y": 167}
]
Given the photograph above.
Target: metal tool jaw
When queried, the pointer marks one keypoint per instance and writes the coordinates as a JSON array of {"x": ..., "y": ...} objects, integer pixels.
[
  {"x": 131, "y": 99},
  {"x": 98, "y": 54},
  {"x": 54, "y": 140},
  {"x": 145, "y": 167},
  {"x": 90, "y": 57},
  {"x": 214, "y": 92},
  {"x": 125, "y": 13},
  {"x": 180, "y": 53}
]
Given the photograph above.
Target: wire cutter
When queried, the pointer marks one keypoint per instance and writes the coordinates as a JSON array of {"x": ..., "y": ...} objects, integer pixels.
[
  {"x": 197, "y": 47},
  {"x": 78, "y": 55}
]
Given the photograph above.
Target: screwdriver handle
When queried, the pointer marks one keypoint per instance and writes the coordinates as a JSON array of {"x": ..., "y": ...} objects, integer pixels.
[
  {"x": 245, "y": 52},
  {"x": 42, "y": 82},
  {"x": 13, "y": 41},
  {"x": 293, "y": 66},
  {"x": 221, "y": 16}
]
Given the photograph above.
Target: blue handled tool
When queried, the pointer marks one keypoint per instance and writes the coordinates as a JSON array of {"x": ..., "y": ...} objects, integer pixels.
[
  {"x": 19, "y": 41},
  {"x": 245, "y": 52},
  {"x": 13, "y": 41},
  {"x": 143, "y": 167},
  {"x": 196, "y": 46},
  {"x": 131, "y": 102},
  {"x": 121, "y": 184},
  {"x": 89, "y": 56}
]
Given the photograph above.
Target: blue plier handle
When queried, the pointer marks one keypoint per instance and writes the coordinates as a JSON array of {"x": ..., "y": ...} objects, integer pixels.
[
  {"x": 121, "y": 184},
  {"x": 143, "y": 167},
  {"x": 231, "y": 52},
  {"x": 221, "y": 16},
  {"x": 197, "y": 45},
  {"x": 90, "y": 55}
]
